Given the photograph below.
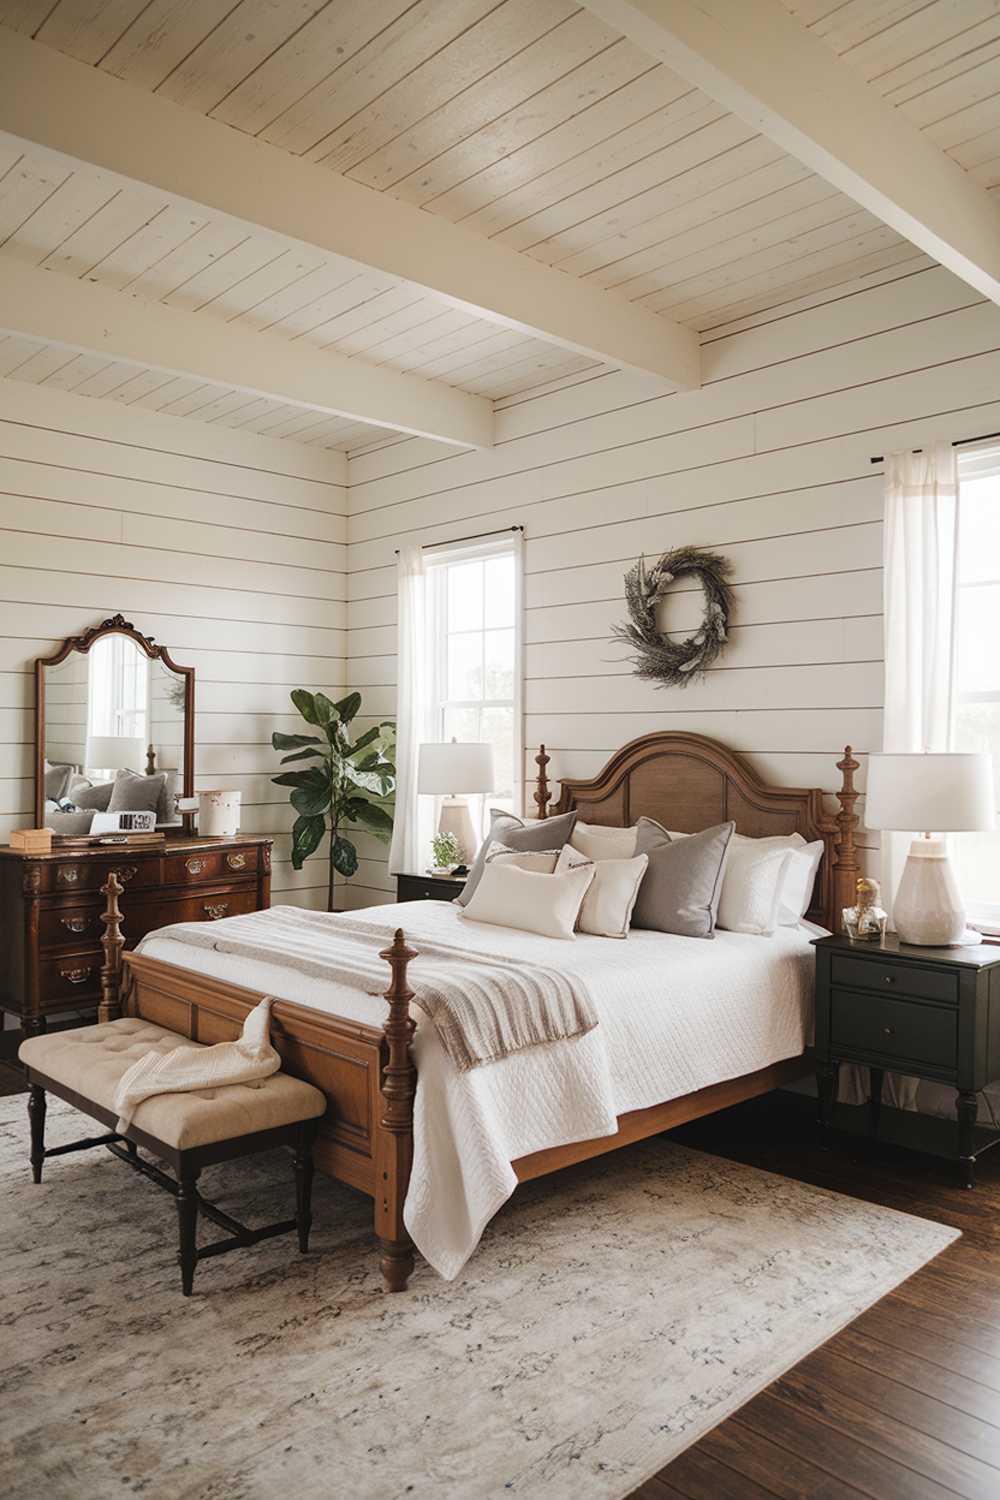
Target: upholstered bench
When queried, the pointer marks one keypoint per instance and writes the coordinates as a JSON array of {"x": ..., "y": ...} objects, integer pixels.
[{"x": 187, "y": 1131}]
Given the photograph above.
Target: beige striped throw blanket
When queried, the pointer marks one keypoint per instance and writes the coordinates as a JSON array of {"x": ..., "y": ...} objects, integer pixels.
[{"x": 483, "y": 1005}]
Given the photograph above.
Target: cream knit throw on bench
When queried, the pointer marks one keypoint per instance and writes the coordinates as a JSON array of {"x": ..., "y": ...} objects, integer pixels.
[
  {"x": 485, "y": 1006},
  {"x": 190, "y": 1067}
]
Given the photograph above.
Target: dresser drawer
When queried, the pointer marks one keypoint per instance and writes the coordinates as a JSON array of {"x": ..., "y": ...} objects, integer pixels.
[
  {"x": 887, "y": 977},
  {"x": 74, "y": 979},
  {"x": 90, "y": 874},
  {"x": 897, "y": 1029},
  {"x": 206, "y": 906},
  {"x": 59, "y": 926},
  {"x": 211, "y": 864}
]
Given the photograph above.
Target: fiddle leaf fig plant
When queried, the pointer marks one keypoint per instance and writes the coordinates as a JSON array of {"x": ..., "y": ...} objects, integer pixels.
[{"x": 341, "y": 783}]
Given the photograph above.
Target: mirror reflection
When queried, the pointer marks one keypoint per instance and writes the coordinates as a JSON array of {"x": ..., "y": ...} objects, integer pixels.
[{"x": 114, "y": 736}]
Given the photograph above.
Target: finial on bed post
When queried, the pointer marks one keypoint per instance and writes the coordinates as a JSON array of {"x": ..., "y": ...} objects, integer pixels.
[
  {"x": 845, "y": 870},
  {"x": 542, "y": 783},
  {"x": 394, "y": 1149},
  {"x": 112, "y": 942}
]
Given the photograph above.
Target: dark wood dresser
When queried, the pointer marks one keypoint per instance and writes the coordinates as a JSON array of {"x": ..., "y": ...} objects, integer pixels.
[{"x": 50, "y": 906}]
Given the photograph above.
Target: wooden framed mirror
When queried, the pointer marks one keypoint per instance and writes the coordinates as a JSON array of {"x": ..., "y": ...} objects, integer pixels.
[{"x": 112, "y": 706}]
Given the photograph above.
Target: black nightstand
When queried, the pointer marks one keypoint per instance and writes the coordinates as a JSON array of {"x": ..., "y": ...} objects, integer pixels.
[
  {"x": 923, "y": 1011},
  {"x": 428, "y": 887}
]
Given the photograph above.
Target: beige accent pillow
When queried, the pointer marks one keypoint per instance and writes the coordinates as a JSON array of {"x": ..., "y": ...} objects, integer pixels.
[
  {"x": 607, "y": 906},
  {"x": 598, "y": 841},
  {"x": 542, "y": 861},
  {"x": 527, "y": 900}
]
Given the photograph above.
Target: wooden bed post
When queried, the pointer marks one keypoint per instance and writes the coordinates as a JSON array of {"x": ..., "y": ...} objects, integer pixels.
[
  {"x": 112, "y": 942},
  {"x": 845, "y": 870},
  {"x": 542, "y": 783},
  {"x": 394, "y": 1151}
]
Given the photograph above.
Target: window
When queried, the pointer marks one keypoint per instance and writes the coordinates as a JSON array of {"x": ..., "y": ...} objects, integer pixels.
[
  {"x": 474, "y": 649},
  {"x": 119, "y": 688},
  {"x": 976, "y": 703}
]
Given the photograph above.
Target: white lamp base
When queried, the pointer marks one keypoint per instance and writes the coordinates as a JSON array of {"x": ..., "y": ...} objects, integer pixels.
[
  {"x": 928, "y": 909},
  {"x": 455, "y": 818}
]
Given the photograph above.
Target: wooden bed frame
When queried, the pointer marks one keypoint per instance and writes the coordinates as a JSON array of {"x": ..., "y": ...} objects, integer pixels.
[{"x": 368, "y": 1073}]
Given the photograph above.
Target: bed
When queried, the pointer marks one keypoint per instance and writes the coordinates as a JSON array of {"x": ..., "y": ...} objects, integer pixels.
[{"x": 368, "y": 1061}]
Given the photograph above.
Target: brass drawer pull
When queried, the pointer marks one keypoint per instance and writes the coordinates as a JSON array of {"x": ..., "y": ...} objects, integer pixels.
[
  {"x": 68, "y": 875},
  {"x": 888, "y": 1031},
  {"x": 126, "y": 873},
  {"x": 74, "y": 924},
  {"x": 76, "y": 976},
  {"x": 194, "y": 866},
  {"x": 889, "y": 979},
  {"x": 215, "y": 910},
  {"x": 236, "y": 861}
]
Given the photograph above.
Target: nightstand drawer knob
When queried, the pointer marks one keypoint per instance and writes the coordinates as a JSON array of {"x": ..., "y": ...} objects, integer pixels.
[
  {"x": 889, "y": 979},
  {"x": 888, "y": 1031}
]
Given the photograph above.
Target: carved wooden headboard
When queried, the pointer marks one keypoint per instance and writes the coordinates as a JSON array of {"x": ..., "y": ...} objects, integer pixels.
[{"x": 688, "y": 782}]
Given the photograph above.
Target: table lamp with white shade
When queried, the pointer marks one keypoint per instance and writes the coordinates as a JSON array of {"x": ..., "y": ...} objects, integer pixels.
[
  {"x": 942, "y": 793},
  {"x": 454, "y": 771},
  {"x": 116, "y": 752}
]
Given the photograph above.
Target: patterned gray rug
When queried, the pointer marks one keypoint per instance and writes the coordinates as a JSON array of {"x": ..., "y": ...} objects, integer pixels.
[{"x": 611, "y": 1316}]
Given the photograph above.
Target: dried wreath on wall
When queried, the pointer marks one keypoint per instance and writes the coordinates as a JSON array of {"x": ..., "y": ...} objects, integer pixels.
[{"x": 675, "y": 663}]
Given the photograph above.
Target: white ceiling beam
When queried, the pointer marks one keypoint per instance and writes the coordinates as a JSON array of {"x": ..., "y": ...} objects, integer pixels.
[
  {"x": 81, "y": 113},
  {"x": 763, "y": 65},
  {"x": 93, "y": 319}
]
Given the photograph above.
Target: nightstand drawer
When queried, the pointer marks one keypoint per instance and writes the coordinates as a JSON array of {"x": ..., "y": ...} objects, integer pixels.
[
  {"x": 871, "y": 973},
  {"x": 426, "y": 888},
  {"x": 895, "y": 1029}
]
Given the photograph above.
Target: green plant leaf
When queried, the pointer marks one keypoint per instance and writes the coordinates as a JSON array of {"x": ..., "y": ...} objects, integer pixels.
[
  {"x": 315, "y": 778},
  {"x": 348, "y": 707},
  {"x": 368, "y": 781},
  {"x": 345, "y": 856},
  {"x": 374, "y": 818},
  {"x": 326, "y": 712},
  {"x": 294, "y": 741},
  {"x": 366, "y": 739},
  {"x": 306, "y": 705},
  {"x": 286, "y": 760},
  {"x": 307, "y": 835},
  {"x": 311, "y": 801}
]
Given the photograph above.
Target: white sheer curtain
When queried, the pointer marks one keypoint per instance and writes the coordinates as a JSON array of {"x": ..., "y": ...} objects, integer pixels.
[
  {"x": 412, "y": 830},
  {"x": 921, "y": 529}
]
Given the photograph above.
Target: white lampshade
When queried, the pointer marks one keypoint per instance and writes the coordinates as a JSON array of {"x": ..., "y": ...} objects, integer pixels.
[
  {"x": 116, "y": 752},
  {"x": 454, "y": 769},
  {"x": 946, "y": 793}
]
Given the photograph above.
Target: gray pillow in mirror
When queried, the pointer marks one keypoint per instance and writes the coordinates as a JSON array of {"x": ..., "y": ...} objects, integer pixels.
[
  {"x": 166, "y": 808},
  {"x": 683, "y": 880},
  {"x": 96, "y": 797},
  {"x": 133, "y": 792},
  {"x": 515, "y": 833},
  {"x": 71, "y": 825},
  {"x": 56, "y": 780}
]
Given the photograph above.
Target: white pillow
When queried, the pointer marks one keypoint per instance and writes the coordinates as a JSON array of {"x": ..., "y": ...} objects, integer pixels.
[
  {"x": 596, "y": 841},
  {"x": 751, "y": 890},
  {"x": 800, "y": 877},
  {"x": 547, "y": 904},
  {"x": 607, "y": 906},
  {"x": 542, "y": 861}
]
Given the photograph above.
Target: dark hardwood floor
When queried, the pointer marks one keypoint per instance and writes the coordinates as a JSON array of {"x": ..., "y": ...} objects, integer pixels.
[
  {"x": 905, "y": 1403},
  {"x": 902, "y": 1405}
]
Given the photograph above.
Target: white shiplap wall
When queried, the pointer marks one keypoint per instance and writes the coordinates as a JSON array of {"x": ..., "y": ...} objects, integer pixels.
[
  {"x": 226, "y": 546},
  {"x": 768, "y": 462}
]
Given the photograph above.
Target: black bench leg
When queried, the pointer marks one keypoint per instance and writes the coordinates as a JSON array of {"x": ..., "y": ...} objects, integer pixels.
[
  {"x": 187, "y": 1222},
  {"x": 36, "y": 1115},
  {"x": 303, "y": 1165}
]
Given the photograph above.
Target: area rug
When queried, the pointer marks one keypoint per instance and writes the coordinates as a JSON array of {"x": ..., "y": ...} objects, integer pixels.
[{"x": 610, "y": 1317}]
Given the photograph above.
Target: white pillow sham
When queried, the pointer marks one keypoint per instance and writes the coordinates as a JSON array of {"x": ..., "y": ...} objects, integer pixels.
[
  {"x": 542, "y": 861},
  {"x": 607, "y": 906},
  {"x": 598, "y": 841},
  {"x": 752, "y": 887},
  {"x": 800, "y": 877},
  {"x": 532, "y": 902}
]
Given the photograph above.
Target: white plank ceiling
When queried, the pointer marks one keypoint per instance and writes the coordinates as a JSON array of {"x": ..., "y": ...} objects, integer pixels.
[{"x": 529, "y": 121}]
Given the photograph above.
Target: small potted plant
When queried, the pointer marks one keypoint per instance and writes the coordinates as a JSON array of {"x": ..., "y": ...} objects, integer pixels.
[{"x": 445, "y": 850}]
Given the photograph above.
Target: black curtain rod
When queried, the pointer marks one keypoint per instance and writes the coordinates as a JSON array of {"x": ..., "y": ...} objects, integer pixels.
[
  {"x": 958, "y": 443},
  {"x": 480, "y": 536}
]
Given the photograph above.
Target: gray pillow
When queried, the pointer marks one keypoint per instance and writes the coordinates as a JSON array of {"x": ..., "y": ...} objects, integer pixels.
[
  {"x": 133, "y": 792},
  {"x": 70, "y": 824},
  {"x": 514, "y": 833},
  {"x": 166, "y": 808},
  {"x": 96, "y": 797},
  {"x": 56, "y": 780},
  {"x": 683, "y": 880}
]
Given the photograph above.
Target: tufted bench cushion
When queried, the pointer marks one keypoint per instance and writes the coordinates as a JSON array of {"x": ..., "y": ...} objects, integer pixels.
[{"x": 91, "y": 1060}]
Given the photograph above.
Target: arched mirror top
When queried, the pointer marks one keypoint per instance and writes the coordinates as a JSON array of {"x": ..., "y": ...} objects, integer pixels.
[{"x": 114, "y": 730}]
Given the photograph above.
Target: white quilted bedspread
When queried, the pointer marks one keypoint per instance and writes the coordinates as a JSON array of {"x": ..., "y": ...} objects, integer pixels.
[{"x": 676, "y": 1014}]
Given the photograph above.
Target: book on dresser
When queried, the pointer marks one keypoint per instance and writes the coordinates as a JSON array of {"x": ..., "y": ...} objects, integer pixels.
[{"x": 50, "y": 906}]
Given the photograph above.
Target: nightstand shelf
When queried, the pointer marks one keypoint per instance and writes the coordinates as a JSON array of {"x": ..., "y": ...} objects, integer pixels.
[
  {"x": 428, "y": 887},
  {"x": 926, "y": 1012}
]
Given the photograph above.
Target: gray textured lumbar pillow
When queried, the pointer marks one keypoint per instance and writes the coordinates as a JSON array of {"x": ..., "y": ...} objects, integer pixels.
[
  {"x": 133, "y": 792},
  {"x": 514, "y": 833},
  {"x": 96, "y": 797},
  {"x": 683, "y": 881}
]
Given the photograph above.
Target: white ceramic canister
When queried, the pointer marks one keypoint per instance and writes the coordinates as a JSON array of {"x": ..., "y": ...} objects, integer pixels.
[{"x": 218, "y": 814}]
